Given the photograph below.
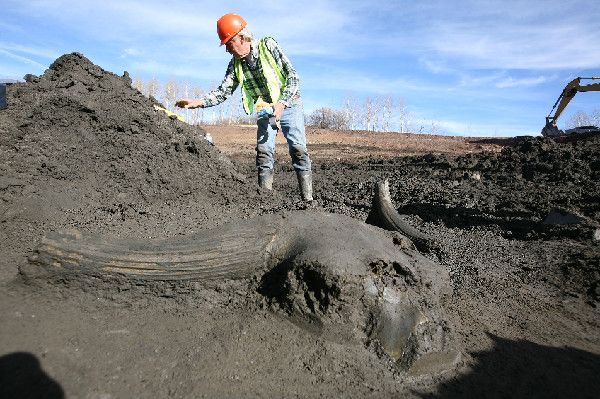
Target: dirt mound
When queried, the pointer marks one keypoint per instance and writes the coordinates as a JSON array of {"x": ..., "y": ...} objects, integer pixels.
[
  {"x": 83, "y": 123},
  {"x": 82, "y": 148},
  {"x": 523, "y": 182},
  {"x": 519, "y": 190},
  {"x": 513, "y": 193},
  {"x": 569, "y": 170}
]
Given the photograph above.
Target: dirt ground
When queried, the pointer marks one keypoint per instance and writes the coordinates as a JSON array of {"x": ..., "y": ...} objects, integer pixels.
[
  {"x": 338, "y": 145},
  {"x": 515, "y": 224}
]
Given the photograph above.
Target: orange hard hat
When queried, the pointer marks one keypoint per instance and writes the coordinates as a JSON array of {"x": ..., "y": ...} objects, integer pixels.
[{"x": 228, "y": 26}]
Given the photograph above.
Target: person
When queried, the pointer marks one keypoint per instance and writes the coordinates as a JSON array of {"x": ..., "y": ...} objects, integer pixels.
[{"x": 265, "y": 75}]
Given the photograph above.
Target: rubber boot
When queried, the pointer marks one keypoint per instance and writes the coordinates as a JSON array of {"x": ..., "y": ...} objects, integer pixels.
[
  {"x": 265, "y": 179},
  {"x": 305, "y": 184}
]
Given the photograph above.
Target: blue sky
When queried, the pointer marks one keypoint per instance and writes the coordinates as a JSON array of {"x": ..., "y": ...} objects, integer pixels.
[{"x": 484, "y": 67}]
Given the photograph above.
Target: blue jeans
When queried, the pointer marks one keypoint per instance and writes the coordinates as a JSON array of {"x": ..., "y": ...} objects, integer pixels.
[{"x": 292, "y": 126}]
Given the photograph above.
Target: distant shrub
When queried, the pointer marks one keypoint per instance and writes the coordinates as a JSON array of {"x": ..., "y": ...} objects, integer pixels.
[{"x": 328, "y": 118}]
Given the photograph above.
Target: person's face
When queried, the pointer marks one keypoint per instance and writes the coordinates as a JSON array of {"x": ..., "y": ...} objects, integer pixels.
[{"x": 238, "y": 47}]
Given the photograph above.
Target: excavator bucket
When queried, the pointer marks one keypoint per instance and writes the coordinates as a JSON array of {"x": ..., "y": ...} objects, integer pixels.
[{"x": 550, "y": 130}]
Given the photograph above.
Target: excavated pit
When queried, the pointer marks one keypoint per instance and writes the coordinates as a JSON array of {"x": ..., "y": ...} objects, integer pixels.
[
  {"x": 511, "y": 281},
  {"x": 317, "y": 269}
]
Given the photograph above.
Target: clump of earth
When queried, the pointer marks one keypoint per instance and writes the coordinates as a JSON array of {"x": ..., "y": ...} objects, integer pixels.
[{"x": 516, "y": 236}]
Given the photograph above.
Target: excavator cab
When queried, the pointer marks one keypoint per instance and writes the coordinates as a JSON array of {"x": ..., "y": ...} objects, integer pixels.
[{"x": 574, "y": 86}]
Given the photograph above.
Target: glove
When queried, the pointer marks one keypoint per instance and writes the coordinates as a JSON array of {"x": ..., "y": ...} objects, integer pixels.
[{"x": 265, "y": 112}]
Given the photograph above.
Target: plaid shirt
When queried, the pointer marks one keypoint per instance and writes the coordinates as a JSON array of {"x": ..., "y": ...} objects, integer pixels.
[{"x": 254, "y": 79}]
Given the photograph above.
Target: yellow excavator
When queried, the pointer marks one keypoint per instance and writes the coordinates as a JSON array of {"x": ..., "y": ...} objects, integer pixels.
[{"x": 572, "y": 88}]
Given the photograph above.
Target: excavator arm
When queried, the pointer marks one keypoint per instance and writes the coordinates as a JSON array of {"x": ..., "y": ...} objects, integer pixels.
[{"x": 572, "y": 88}]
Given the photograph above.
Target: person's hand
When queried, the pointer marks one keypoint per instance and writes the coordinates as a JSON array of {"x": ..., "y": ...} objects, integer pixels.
[
  {"x": 278, "y": 110},
  {"x": 189, "y": 104}
]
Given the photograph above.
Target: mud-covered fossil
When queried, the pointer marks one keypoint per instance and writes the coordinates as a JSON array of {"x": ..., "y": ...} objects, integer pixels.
[
  {"x": 350, "y": 281},
  {"x": 384, "y": 215}
]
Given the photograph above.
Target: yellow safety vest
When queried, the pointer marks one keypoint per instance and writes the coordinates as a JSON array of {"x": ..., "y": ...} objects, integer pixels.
[{"x": 271, "y": 71}]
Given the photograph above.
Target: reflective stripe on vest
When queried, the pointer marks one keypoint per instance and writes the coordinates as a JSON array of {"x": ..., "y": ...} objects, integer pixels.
[{"x": 271, "y": 72}]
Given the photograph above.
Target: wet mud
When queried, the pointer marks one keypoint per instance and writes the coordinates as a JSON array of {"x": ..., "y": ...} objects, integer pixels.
[{"x": 509, "y": 292}]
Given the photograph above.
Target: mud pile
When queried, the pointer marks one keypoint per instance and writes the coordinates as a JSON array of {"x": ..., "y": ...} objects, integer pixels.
[
  {"x": 550, "y": 173},
  {"x": 78, "y": 122},
  {"x": 535, "y": 189},
  {"x": 81, "y": 148},
  {"x": 516, "y": 193},
  {"x": 519, "y": 185}
]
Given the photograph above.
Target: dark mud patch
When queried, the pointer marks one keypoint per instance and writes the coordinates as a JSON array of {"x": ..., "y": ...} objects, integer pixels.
[{"x": 303, "y": 290}]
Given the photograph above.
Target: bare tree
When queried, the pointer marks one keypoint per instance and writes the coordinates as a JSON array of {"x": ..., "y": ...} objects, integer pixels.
[
  {"x": 234, "y": 113},
  {"x": 435, "y": 127},
  {"x": 318, "y": 118},
  {"x": 328, "y": 118},
  {"x": 595, "y": 117},
  {"x": 579, "y": 118},
  {"x": 220, "y": 114},
  {"x": 197, "y": 114},
  {"x": 402, "y": 115},
  {"x": 185, "y": 89},
  {"x": 376, "y": 117},
  {"x": 171, "y": 91},
  {"x": 351, "y": 111},
  {"x": 379, "y": 113},
  {"x": 387, "y": 111},
  {"x": 152, "y": 88},
  {"x": 369, "y": 114},
  {"x": 138, "y": 84}
]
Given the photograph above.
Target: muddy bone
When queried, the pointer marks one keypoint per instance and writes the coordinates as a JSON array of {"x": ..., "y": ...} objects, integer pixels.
[
  {"x": 350, "y": 280},
  {"x": 384, "y": 215}
]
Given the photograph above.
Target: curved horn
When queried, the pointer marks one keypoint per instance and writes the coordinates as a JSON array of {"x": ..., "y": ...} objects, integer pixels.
[{"x": 384, "y": 215}]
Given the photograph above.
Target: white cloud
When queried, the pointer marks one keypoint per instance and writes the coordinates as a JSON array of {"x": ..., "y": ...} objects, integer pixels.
[
  {"x": 437, "y": 66},
  {"x": 15, "y": 48},
  {"x": 22, "y": 59},
  {"x": 541, "y": 48},
  {"x": 523, "y": 82},
  {"x": 502, "y": 80},
  {"x": 345, "y": 79},
  {"x": 313, "y": 29},
  {"x": 131, "y": 52},
  {"x": 513, "y": 35},
  {"x": 474, "y": 129}
]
